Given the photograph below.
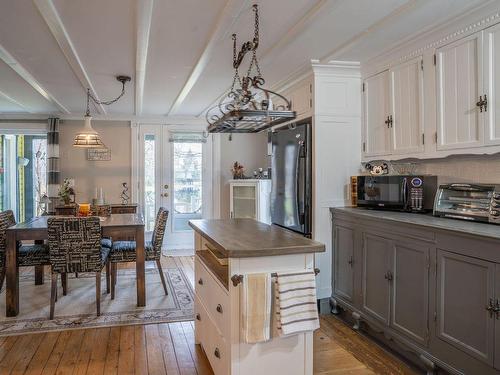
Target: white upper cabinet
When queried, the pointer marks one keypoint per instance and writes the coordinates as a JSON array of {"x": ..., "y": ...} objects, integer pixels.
[
  {"x": 376, "y": 115},
  {"x": 459, "y": 85},
  {"x": 491, "y": 111},
  {"x": 406, "y": 125}
]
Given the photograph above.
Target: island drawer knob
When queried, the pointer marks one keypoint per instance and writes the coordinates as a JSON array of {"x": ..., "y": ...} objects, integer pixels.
[
  {"x": 219, "y": 308},
  {"x": 198, "y": 317},
  {"x": 217, "y": 353},
  {"x": 200, "y": 281}
]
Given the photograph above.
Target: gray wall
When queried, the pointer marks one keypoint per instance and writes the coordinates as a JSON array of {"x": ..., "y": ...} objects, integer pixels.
[
  {"x": 91, "y": 174},
  {"x": 250, "y": 150}
]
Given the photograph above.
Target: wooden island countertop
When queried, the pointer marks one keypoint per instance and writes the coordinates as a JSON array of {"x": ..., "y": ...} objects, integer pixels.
[{"x": 242, "y": 238}]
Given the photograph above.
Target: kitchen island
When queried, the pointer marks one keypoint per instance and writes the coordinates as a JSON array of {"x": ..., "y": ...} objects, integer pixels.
[{"x": 225, "y": 251}]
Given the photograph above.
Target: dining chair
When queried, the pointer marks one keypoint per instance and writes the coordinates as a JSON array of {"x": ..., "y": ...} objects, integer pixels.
[
  {"x": 75, "y": 246},
  {"x": 125, "y": 251},
  {"x": 27, "y": 255}
]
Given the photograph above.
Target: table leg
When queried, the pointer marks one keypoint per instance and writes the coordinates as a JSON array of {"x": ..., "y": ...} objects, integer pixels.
[
  {"x": 140, "y": 267},
  {"x": 12, "y": 276},
  {"x": 39, "y": 269}
]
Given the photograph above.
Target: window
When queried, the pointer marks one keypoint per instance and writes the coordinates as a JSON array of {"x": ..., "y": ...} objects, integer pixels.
[
  {"x": 23, "y": 171},
  {"x": 149, "y": 181}
]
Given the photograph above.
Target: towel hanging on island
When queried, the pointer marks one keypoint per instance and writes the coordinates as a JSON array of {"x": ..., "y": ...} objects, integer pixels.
[
  {"x": 256, "y": 307},
  {"x": 298, "y": 310}
]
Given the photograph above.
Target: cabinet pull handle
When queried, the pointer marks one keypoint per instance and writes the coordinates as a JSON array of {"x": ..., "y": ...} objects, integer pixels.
[
  {"x": 497, "y": 309},
  {"x": 390, "y": 121},
  {"x": 219, "y": 308},
  {"x": 388, "y": 276},
  {"x": 350, "y": 261},
  {"x": 490, "y": 308},
  {"x": 200, "y": 281},
  {"x": 198, "y": 317},
  {"x": 485, "y": 103},
  {"x": 387, "y": 122},
  {"x": 217, "y": 353}
]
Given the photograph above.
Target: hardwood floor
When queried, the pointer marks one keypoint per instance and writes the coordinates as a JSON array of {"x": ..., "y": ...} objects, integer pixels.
[{"x": 169, "y": 349}]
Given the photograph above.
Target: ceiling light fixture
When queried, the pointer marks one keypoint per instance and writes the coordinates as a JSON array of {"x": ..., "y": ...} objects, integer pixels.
[
  {"x": 88, "y": 137},
  {"x": 248, "y": 107}
]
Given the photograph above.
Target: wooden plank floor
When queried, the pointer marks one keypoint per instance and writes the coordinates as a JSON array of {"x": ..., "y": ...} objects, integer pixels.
[{"x": 169, "y": 349}]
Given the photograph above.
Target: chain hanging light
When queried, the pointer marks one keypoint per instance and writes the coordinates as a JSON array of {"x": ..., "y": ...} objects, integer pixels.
[
  {"x": 248, "y": 107},
  {"x": 88, "y": 137}
]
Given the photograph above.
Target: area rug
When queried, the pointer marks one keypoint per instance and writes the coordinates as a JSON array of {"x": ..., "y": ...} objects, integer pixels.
[{"x": 77, "y": 309}]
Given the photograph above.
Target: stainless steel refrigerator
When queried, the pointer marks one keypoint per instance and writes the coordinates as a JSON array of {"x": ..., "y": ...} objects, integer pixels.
[{"x": 291, "y": 174}]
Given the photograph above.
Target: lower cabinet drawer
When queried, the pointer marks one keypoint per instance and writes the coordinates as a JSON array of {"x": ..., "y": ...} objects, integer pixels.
[
  {"x": 213, "y": 296},
  {"x": 214, "y": 345}
]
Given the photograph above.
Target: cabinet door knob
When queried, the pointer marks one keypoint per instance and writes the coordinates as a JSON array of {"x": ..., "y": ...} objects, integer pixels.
[
  {"x": 350, "y": 261},
  {"x": 219, "y": 308},
  {"x": 388, "y": 276},
  {"x": 480, "y": 103},
  {"x": 200, "y": 281},
  {"x": 490, "y": 308},
  {"x": 217, "y": 353},
  {"x": 198, "y": 317}
]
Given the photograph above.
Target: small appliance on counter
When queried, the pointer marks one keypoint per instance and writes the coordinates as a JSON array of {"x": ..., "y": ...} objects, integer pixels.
[
  {"x": 475, "y": 202},
  {"x": 411, "y": 193}
]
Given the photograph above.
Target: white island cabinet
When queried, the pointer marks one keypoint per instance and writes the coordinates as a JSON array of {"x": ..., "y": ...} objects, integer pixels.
[{"x": 225, "y": 250}]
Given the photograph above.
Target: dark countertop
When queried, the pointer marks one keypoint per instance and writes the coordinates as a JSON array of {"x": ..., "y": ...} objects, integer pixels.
[
  {"x": 241, "y": 238},
  {"x": 425, "y": 220}
]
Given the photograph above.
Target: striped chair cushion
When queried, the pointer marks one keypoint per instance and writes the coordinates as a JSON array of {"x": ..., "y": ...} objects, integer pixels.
[
  {"x": 33, "y": 255},
  {"x": 124, "y": 251},
  {"x": 106, "y": 242}
]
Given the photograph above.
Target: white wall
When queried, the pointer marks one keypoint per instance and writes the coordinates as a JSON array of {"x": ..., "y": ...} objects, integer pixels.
[
  {"x": 91, "y": 174},
  {"x": 250, "y": 150}
]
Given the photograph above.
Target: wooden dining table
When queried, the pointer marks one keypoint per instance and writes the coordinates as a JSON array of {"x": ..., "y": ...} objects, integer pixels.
[{"x": 114, "y": 226}]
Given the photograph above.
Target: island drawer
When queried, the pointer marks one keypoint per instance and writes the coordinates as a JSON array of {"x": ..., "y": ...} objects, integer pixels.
[
  {"x": 214, "y": 345},
  {"x": 213, "y": 296}
]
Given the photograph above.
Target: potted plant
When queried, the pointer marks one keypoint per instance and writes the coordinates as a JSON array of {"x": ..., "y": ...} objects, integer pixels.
[
  {"x": 65, "y": 191},
  {"x": 238, "y": 171}
]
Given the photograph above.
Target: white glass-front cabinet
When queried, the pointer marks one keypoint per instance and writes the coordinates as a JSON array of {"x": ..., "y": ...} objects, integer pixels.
[
  {"x": 250, "y": 199},
  {"x": 459, "y": 85},
  {"x": 393, "y": 110}
]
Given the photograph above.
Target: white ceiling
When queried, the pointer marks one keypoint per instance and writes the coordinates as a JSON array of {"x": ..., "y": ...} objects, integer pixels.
[{"x": 179, "y": 52}]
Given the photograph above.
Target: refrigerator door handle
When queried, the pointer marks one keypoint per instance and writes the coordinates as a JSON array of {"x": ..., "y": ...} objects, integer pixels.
[{"x": 300, "y": 209}]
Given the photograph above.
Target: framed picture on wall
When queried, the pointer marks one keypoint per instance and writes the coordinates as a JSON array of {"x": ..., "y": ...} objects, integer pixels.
[{"x": 98, "y": 154}]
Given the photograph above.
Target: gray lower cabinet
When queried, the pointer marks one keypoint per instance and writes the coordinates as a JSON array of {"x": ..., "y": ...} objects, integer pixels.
[
  {"x": 465, "y": 288},
  {"x": 376, "y": 276},
  {"x": 344, "y": 262},
  {"x": 410, "y": 290},
  {"x": 432, "y": 293}
]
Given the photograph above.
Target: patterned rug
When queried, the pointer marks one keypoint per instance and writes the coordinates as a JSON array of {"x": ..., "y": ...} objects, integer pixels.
[{"x": 77, "y": 309}]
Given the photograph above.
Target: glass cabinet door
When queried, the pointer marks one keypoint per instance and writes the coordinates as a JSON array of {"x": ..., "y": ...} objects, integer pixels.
[{"x": 244, "y": 202}]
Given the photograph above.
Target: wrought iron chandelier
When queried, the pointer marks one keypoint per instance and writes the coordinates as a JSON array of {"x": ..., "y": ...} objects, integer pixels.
[
  {"x": 88, "y": 137},
  {"x": 248, "y": 107}
]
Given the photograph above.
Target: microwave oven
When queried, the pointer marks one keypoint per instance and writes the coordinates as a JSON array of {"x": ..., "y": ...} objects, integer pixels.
[{"x": 411, "y": 193}]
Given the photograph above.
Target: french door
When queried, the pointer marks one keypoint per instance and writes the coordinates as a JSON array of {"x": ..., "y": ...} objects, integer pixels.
[{"x": 173, "y": 172}]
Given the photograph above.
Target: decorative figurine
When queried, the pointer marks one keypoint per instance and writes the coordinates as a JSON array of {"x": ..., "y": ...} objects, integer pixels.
[
  {"x": 124, "y": 195},
  {"x": 238, "y": 171},
  {"x": 377, "y": 169}
]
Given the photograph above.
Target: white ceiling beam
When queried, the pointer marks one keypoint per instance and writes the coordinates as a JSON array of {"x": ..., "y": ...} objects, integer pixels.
[
  {"x": 350, "y": 43},
  {"x": 144, "y": 16},
  {"x": 14, "y": 101},
  {"x": 224, "y": 22},
  {"x": 7, "y": 58},
  {"x": 299, "y": 27},
  {"x": 51, "y": 16}
]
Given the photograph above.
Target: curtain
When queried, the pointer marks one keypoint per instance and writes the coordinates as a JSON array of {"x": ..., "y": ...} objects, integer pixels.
[{"x": 53, "y": 174}]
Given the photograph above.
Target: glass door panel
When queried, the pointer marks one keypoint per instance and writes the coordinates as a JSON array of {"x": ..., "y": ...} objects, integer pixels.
[{"x": 244, "y": 202}]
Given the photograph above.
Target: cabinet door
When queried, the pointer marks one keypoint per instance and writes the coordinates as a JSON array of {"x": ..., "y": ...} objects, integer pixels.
[
  {"x": 243, "y": 201},
  {"x": 492, "y": 84},
  {"x": 376, "y": 284},
  {"x": 465, "y": 286},
  {"x": 459, "y": 84},
  {"x": 410, "y": 292},
  {"x": 376, "y": 111},
  {"x": 343, "y": 262},
  {"x": 406, "y": 107},
  {"x": 497, "y": 317}
]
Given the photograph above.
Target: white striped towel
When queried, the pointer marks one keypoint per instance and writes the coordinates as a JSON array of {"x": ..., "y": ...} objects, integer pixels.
[
  {"x": 298, "y": 308},
  {"x": 256, "y": 307}
]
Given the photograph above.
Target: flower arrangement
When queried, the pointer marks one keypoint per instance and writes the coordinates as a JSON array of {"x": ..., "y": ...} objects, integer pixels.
[
  {"x": 65, "y": 191},
  {"x": 238, "y": 171}
]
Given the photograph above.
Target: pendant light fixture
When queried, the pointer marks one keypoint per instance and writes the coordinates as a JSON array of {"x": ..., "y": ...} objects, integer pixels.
[
  {"x": 248, "y": 107},
  {"x": 88, "y": 137}
]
